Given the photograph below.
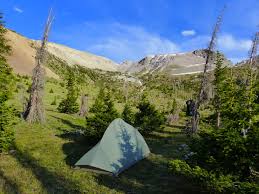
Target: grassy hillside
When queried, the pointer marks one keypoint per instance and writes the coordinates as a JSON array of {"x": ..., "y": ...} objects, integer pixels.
[{"x": 43, "y": 157}]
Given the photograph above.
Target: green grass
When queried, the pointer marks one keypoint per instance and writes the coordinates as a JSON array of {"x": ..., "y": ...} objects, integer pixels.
[{"x": 43, "y": 157}]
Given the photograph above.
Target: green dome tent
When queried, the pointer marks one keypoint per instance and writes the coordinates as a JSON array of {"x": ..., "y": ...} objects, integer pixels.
[{"x": 120, "y": 147}]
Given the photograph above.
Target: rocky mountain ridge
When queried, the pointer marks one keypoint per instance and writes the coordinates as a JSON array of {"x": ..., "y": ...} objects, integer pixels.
[{"x": 174, "y": 64}]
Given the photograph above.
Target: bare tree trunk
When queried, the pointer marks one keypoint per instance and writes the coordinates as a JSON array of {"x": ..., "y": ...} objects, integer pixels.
[
  {"x": 35, "y": 109},
  {"x": 24, "y": 100},
  {"x": 251, "y": 77},
  {"x": 218, "y": 119},
  {"x": 84, "y": 106},
  {"x": 125, "y": 90},
  {"x": 205, "y": 78}
]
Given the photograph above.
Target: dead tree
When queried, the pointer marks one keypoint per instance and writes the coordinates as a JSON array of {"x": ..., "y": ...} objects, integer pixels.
[
  {"x": 125, "y": 89},
  {"x": 251, "y": 74},
  {"x": 35, "y": 110},
  {"x": 83, "y": 106},
  {"x": 202, "y": 95},
  {"x": 253, "y": 53}
]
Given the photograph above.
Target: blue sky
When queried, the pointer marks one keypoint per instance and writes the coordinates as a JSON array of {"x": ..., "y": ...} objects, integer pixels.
[{"x": 131, "y": 29}]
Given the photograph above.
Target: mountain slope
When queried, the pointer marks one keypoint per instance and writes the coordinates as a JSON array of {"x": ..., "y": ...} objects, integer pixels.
[
  {"x": 22, "y": 59},
  {"x": 73, "y": 56},
  {"x": 173, "y": 64}
]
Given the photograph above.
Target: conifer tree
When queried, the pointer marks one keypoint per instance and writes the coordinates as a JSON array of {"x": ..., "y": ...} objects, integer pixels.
[
  {"x": 148, "y": 119},
  {"x": 233, "y": 148},
  {"x": 103, "y": 113},
  {"x": 127, "y": 115},
  {"x": 7, "y": 86},
  {"x": 70, "y": 105},
  {"x": 219, "y": 78}
]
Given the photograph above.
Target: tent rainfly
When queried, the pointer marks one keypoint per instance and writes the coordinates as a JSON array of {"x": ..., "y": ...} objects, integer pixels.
[{"x": 120, "y": 147}]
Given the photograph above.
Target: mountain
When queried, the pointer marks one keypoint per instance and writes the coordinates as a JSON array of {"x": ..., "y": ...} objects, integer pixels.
[
  {"x": 22, "y": 58},
  {"x": 245, "y": 62},
  {"x": 174, "y": 64},
  {"x": 85, "y": 59}
]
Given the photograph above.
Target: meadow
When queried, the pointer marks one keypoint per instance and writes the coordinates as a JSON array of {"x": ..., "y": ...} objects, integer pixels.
[{"x": 43, "y": 157}]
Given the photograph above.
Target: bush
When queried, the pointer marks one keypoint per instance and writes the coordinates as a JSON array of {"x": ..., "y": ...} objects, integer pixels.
[
  {"x": 6, "y": 133},
  {"x": 127, "y": 115},
  {"x": 211, "y": 182},
  {"x": 226, "y": 150},
  {"x": 103, "y": 114},
  {"x": 62, "y": 84},
  {"x": 51, "y": 91},
  {"x": 70, "y": 105},
  {"x": 7, "y": 81},
  {"x": 148, "y": 119}
]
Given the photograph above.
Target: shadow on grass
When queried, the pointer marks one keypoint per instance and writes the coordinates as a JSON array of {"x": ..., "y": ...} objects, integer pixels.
[
  {"x": 147, "y": 177},
  {"x": 165, "y": 146},
  {"x": 9, "y": 186},
  {"x": 51, "y": 181},
  {"x": 150, "y": 175},
  {"x": 169, "y": 132},
  {"x": 69, "y": 123},
  {"x": 177, "y": 126},
  {"x": 76, "y": 147},
  {"x": 74, "y": 151}
]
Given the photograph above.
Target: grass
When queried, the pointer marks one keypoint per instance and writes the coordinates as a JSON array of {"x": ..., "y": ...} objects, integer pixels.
[{"x": 43, "y": 157}]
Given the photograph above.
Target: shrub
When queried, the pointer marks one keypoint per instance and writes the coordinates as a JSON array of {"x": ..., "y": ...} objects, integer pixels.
[
  {"x": 148, "y": 119},
  {"x": 103, "y": 114},
  {"x": 127, "y": 115},
  {"x": 6, "y": 133},
  {"x": 70, "y": 105},
  {"x": 6, "y": 90},
  {"x": 211, "y": 182},
  {"x": 51, "y": 91}
]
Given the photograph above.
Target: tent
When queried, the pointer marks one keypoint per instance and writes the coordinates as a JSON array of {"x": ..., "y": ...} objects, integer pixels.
[{"x": 120, "y": 147}]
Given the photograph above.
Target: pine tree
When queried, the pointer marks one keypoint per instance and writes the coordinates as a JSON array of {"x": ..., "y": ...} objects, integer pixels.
[
  {"x": 148, "y": 119},
  {"x": 227, "y": 150},
  {"x": 219, "y": 78},
  {"x": 103, "y": 112},
  {"x": 127, "y": 115},
  {"x": 7, "y": 86},
  {"x": 70, "y": 105}
]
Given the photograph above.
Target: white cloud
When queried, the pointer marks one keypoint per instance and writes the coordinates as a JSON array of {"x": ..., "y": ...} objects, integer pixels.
[
  {"x": 121, "y": 42},
  {"x": 198, "y": 42},
  {"x": 188, "y": 32},
  {"x": 127, "y": 42},
  {"x": 229, "y": 43},
  {"x": 17, "y": 9},
  {"x": 237, "y": 60}
]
